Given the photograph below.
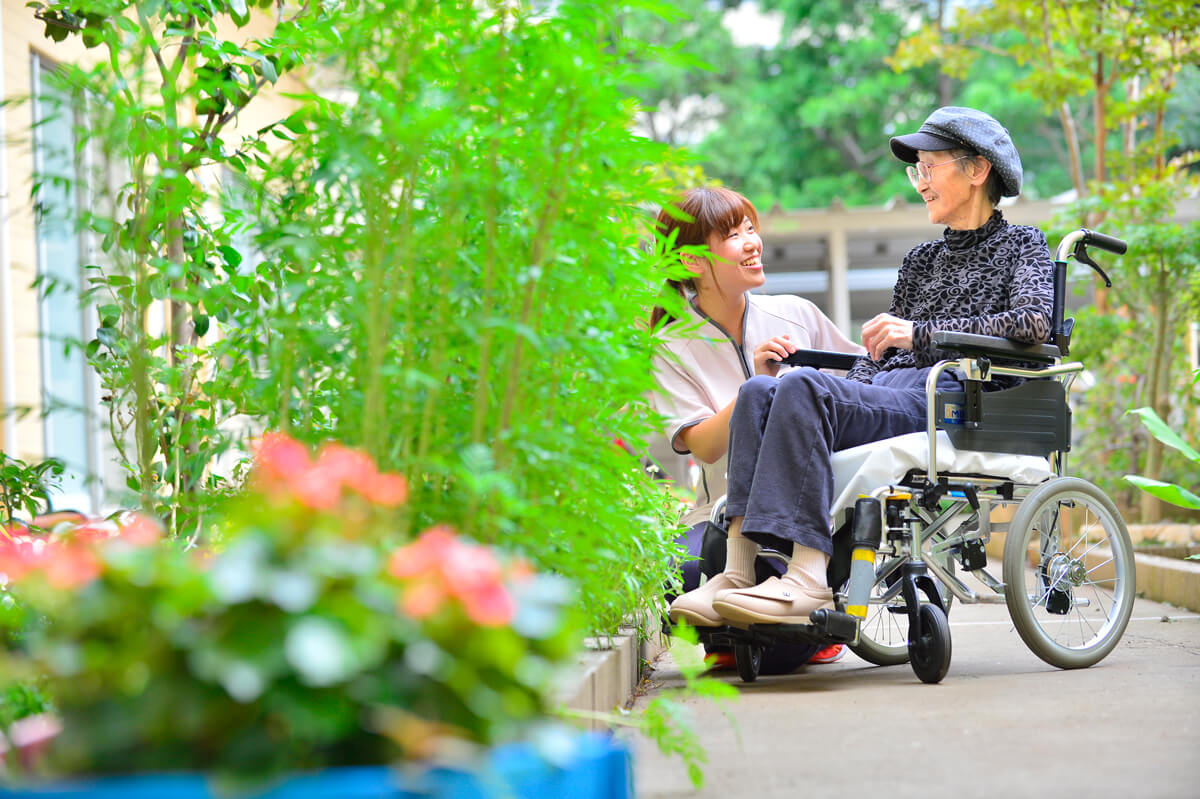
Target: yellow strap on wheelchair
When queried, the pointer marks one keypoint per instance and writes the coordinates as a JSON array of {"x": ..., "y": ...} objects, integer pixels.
[
  {"x": 859, "y": 611},
  {"x": 863, "y": 553}
]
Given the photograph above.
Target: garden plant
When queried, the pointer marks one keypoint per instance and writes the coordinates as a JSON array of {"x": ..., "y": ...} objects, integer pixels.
[
  {"x": 1168, "y": 492},
  {"x": 434, "y": 253},
  {"x": 313, "y": 636},
  {"x": 26, "y": 487}
]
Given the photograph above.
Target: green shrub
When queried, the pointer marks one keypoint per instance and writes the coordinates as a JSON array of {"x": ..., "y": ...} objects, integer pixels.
[
  {"x": 306, "y": 642},
  {"x": 26, "y": 487},
  {"x": 454, "y": 277}
]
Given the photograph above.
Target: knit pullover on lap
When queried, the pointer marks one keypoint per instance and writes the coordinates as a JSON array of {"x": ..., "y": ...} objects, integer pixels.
[{"x": 995, "y": 280}]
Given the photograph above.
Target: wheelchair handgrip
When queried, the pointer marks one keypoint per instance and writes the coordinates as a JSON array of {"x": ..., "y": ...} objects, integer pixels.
[
  {"x": 1104, "y": 242},
  {"x": 821, "y": 359},
  {"x": 1003, "y": 349}
]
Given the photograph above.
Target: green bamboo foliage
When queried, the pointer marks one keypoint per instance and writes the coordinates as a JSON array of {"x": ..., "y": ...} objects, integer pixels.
[
  {"x": 439, "y": 256},
  {"x": 456, "y": 238}
]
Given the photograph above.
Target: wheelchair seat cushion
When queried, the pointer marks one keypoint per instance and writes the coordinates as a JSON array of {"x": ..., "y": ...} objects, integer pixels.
[{"x": 861, "y": 470}]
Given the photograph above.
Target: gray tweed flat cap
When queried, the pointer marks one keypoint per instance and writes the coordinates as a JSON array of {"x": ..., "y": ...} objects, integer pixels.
[{"x": 952, "y": 127}]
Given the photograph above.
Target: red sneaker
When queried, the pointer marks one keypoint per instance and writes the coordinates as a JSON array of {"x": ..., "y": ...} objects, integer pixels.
[
  {"x": 721, "y": 661},
  {"x": 829, "y": 654}
]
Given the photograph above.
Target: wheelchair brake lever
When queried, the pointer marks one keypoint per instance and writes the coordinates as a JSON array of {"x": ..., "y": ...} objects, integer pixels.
[{"x": 1081, "y": 255}]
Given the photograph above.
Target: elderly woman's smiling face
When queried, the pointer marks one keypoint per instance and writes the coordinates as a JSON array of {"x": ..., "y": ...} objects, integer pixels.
[{"x": 952, "y": 188}]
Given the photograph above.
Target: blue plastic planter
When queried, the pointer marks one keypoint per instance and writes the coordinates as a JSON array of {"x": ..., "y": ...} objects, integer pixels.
[{"x": 599, "y": 768}]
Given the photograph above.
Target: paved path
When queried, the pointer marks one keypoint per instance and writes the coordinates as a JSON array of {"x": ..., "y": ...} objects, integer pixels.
[{"x": 1002, "y": 723}]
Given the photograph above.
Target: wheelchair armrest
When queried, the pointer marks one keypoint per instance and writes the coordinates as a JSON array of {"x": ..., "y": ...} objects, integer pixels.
[
  {"x": 994, "y": 347},
  {"x": 821, "y": 359}
]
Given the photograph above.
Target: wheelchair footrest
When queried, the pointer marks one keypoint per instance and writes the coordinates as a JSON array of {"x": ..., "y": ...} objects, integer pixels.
[
  {"x": 835, "y": 625},
  {"x": 826, "y": 627}
]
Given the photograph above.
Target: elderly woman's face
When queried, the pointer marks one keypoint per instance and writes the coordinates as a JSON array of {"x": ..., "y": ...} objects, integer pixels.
[{"x": 947, "y": 190}]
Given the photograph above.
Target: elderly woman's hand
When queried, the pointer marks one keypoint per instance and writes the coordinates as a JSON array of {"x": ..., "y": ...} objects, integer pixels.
[
  {"x": 886, "y": 331},
  {"x": 769, "y": 353}
]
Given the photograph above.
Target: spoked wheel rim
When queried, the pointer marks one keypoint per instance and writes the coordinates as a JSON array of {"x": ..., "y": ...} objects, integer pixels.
[{"x": 1069, "y": 573}]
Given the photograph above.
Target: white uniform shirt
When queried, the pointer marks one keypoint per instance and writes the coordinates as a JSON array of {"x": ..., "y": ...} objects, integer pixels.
[{"x": 704, "y": 369}]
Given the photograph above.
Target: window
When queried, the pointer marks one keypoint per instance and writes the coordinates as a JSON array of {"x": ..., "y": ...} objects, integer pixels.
[{"x": 68, "y": 385}]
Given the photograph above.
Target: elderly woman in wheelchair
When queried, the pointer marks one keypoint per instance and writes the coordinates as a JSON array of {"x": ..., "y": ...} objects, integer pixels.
[{"x": 877, "y": 484}]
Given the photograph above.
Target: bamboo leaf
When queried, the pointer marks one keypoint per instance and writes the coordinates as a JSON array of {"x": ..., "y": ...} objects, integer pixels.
[
  {"x": 1158, "y": 428},
  {"x": 1167, "y": 492}
]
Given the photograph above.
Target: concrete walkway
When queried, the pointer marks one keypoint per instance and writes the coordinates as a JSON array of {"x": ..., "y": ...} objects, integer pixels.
[{"x": 1002, "y": 723}]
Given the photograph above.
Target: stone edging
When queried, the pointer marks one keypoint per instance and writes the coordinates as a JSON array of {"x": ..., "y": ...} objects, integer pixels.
[
  {"x": 607, "y": 673},
  {"x": 1176, "y": 582}
]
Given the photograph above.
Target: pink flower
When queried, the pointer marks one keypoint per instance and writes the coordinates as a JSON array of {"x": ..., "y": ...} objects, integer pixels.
[
  {"x": 345, "y": 466},
  {"x": 280, "y": 457},
  {"x": 139, "y": 530},
  {"x": 385, "y": 489},
  {"x": 424, "y": 555},
  {"x": 489, "y": 605},
  {"x": 15, "y": 560},
  {"x": 471, "y": 569},
  {"x": 423, "y": 599},
  {"x": 440, "y": 566},
  {"x": 93, "y": 530},
  {"x": 315, "y": 490},
  {"x": 69, "y": 566}
]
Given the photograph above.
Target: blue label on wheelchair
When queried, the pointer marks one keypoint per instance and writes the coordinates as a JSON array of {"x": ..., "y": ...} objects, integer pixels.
[{"x": 952, "y": 413}]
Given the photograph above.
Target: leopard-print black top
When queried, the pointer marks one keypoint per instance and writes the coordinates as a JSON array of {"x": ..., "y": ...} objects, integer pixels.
[{"x": 996, "y": 280}]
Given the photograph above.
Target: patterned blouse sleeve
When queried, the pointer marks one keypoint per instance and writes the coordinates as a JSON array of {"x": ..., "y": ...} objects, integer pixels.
[
  {"x": 1030, "y": 301},
  {"x": 865, "y": 370}
]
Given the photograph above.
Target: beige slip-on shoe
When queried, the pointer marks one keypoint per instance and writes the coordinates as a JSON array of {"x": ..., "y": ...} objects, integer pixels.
[
  {"x": 696, "y": 607},
  {"x": 774, "y": 601}
]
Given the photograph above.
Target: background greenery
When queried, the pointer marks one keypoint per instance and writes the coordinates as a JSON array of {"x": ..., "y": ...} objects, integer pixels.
[
  {"x": 439, "y": 256},
  {"x": 1100, "y": 97}
]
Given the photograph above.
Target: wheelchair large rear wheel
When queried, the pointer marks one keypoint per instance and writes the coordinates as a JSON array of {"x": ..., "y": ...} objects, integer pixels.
[
  {"x": 1069, "y": 573},
  {"x": 883, "y": 634}
]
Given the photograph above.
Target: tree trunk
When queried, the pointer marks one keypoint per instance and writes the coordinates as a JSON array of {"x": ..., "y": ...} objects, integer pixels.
[
  {"x": 1101, "y": 86},
  {"x": 1157, "y": 395},
  {"x": 945, "y": 86}
]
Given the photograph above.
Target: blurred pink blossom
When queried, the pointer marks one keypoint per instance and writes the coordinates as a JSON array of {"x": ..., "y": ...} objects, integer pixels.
[
  {"x": 385, "y": 489},
  {"x": 439, "y": 566},
  {"x": 140, "y": 530},
  {"x": 279, "y": 456},
  {"x": 284, "y": 469},
  {"x": 424, "y": 555},
  {"x": 66, "y": 562}
]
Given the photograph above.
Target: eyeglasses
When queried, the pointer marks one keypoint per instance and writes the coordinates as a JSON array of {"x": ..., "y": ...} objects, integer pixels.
[{"x": 920, "y": 171}]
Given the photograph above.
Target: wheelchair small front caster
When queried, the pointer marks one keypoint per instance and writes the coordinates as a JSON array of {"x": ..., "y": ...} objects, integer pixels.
[
  {"x": 929, "y": 650},
  {"x": 749, "y": 661}
]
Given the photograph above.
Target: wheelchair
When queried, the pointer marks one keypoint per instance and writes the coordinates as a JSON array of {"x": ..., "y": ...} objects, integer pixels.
[{"x": 914, "y": 514}]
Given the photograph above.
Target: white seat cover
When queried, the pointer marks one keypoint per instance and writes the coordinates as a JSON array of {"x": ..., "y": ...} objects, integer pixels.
[{"x": 861, "y": 470}]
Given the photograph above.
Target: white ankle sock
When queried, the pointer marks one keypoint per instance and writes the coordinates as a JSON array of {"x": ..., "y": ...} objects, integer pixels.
[
  {"x": 740, "y": 554},
  {"x": 807, "y": 567}
]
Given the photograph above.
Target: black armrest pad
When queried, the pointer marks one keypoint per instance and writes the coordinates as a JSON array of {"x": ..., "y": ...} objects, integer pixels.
[
  {"x": 994, "y": 347},
  {"x": 821, "y": 359}
]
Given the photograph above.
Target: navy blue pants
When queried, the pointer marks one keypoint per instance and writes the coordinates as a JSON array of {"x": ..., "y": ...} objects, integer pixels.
[{"x": 782, "y": 437}]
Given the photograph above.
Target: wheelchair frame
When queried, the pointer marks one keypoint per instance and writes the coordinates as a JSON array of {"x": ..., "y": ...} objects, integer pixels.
[{"x": 913, "y": 532}]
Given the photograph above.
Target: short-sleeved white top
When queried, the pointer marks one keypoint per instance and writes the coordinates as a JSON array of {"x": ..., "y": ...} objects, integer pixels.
[{"x": 703, "y": 369}]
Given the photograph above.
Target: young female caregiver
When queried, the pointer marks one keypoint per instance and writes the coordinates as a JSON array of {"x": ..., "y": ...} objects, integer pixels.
[{"x": 740, "y": 335}]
